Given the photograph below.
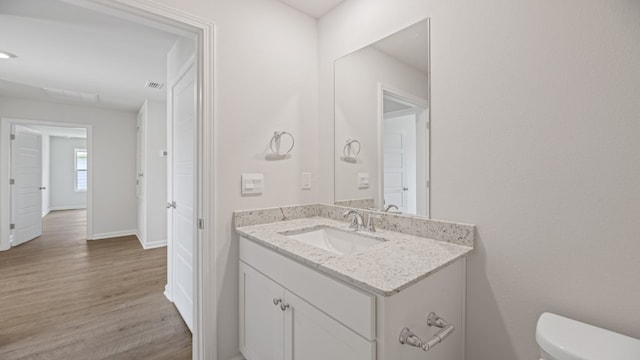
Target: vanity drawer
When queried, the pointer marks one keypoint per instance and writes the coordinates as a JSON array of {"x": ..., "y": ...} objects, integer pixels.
[{"x": 352, "y": 307}]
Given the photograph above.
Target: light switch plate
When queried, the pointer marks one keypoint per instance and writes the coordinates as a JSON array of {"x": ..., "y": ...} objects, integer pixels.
[
  {"x": 306, "y": 181},
  {"x": 363, "y": 180},
  {"x": 252, "y": 184}
]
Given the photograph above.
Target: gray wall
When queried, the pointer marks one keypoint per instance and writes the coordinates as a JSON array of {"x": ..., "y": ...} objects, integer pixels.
[
  {"x": 536, "y": 121},
  {"x": 62, "y": 182}
]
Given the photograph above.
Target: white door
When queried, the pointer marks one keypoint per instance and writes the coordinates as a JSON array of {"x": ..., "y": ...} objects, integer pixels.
[
  {"x": 182, "y": 193},
  {"x": 140, "y": 188},
  {"x": 395, "y": 169},
  {"x": 310, "y": 334},
  {"x": 261, "y": 318},
  {"x": 26, "y": 197},
  {"x": 399, "y": 144}
]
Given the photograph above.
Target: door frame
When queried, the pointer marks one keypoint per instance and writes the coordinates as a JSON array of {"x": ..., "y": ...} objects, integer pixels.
[
  {"x": 203, "y": 31},
  {"x": 141, "y": 143},
  {"x": 5, "y": 171},
  {"x": 414, "y": 101}
]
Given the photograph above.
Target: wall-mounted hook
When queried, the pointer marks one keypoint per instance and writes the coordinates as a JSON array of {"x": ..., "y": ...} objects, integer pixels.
[{"x": 351, "y": 150}]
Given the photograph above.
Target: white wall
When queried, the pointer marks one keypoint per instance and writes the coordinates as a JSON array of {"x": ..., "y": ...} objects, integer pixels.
[
  {"x": 181, "y": 52},
  {"x": 358, "y": 77},
  {"x": 266, "y": 80},
  {"x": 62, "y": 179},
  {"x": 114, "y": 149},
  {"x": 535, "y": 140},
  {"x": 155, "y": 173}
]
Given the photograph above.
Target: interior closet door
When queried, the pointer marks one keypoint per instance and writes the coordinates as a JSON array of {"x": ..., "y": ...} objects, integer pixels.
[
  {"x": 26, "y": 197},
  {"x": 182, "y": 197}
]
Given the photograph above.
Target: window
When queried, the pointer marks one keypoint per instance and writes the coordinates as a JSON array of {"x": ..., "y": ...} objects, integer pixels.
[{"x": 80, "y": 167}]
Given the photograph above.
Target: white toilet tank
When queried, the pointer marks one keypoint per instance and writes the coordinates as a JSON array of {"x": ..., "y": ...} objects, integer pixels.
[{"x": 561, "y": 338}]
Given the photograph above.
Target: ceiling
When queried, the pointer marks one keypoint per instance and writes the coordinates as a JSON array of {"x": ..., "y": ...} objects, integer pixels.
[
  {"x": 389, "y": 105},
  {"x": 315, "y": 8},
  {"x": 88, "y": 57},
  {"x": 82, "y": 52}
]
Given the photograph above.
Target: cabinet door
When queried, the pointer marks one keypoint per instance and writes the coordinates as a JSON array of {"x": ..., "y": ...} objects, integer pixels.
[
  {"x": 310, "y": 334},
  {"x": 261, "y": 321}
]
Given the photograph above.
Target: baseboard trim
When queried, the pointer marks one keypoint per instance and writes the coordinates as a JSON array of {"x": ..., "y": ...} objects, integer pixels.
[
  {"x": 46, "y": 212},
  {"x": 112, "y": 234},
  {"x": 69, "y": 207},
  {"x": 166, "y": 293},
  {"x": 150, "y": 245},
  {"x": 154, "y": 244},
  {"x": 10, "y": 243},
  {"x": 140, "y": 240}
]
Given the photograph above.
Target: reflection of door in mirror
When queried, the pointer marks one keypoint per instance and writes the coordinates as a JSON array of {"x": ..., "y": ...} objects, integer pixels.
[
  {"x": 404, "y": 143},
  {"x": 382, "y": 101}
]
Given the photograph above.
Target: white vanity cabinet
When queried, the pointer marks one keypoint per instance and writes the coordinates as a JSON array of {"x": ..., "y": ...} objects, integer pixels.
[
  {"x": 261, "y": 321},
  {"x": 290, "y": 311},
  {"x": 277, "y": 325}
]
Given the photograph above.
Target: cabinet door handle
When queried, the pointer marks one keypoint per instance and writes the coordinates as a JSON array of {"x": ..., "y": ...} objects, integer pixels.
[
  {"x": 284, "y": 306},
  {"x": 277, "y": 301}
]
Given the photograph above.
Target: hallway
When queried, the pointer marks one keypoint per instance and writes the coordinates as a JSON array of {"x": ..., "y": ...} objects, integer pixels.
[{"x": 66, "y": 298}]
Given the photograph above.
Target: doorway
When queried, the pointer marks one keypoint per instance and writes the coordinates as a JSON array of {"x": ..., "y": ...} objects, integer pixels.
[
  {"x": 204, "y": 282},
  {"x": 404, "y": 136},
  {"x": 27, "y": 175}
]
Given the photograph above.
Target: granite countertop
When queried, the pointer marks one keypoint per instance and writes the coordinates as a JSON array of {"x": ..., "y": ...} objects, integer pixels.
[{"x": 386, "y": 268}]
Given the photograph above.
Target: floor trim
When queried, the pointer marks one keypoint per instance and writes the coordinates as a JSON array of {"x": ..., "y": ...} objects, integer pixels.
[
  {"x": 153, "y": 244},
  {"x": 112, "y": 234},
  {"x": 68, "y": 207}
]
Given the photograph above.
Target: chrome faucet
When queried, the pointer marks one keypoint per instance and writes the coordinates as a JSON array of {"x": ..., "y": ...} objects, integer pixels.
[
  {"x": 388, "y": 207},
  {"x": 356, "y": 221},
  {"x": 371, "y": 227}
]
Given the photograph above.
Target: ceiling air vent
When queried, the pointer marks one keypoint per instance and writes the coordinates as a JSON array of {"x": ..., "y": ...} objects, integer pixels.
[{"x": 154, "y": 85}]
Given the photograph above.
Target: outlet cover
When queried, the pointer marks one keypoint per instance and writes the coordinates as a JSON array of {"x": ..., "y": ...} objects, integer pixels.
[
  {"x": 306, "y": 181},
  {"x": 252, "y": 184}
]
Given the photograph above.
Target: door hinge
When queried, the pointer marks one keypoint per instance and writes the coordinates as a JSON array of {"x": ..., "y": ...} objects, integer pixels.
[
  {"x": 12, "y": 226},
  {"x": 12, "y": 137},
  {"x": 12, "y": 181},
  {"x": 428, "y": 125},
  {"x": 428, "y": 184},
  {"x": 201, "y": 224}
]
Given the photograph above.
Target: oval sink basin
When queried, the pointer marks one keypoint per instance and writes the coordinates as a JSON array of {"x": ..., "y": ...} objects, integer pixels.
[{"x": 335, "y": 241}]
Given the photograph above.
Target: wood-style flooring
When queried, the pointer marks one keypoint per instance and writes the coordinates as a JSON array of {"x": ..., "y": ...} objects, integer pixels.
[{"x": 63, "y": 297}]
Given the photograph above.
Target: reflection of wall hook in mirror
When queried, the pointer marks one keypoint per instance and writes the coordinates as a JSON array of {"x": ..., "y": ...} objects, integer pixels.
[
  {"x": 274, "y": 144},
  {"x": 351, "y": 150}
]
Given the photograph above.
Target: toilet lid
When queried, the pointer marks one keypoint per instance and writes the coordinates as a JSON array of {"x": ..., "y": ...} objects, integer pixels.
[{"x": 568, "y": 339}]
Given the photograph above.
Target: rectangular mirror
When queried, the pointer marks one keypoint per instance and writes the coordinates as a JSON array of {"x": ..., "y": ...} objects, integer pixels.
[{"x": 382, "y": 132}]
